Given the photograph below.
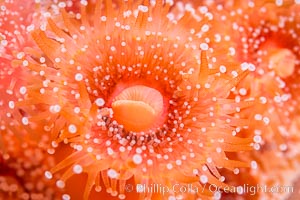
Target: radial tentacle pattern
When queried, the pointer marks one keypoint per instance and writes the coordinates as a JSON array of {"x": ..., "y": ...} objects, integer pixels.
[{"x": 134, "y": 90}]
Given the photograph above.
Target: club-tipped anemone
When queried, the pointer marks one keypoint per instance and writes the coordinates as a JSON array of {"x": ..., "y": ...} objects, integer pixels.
[
  {"x": 23, "y": 155},
  {"x": 265, "y": 34},
  {"x": 270, "y": 42},
  {"x": 17, "y": 19},
  {"x": 131, "y": 88}
]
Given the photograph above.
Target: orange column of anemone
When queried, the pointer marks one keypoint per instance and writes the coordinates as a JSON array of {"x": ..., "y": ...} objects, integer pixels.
[{"x": 211, "y": 98}]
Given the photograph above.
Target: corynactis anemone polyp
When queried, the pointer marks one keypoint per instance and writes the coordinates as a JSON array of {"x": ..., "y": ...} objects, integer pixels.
[
  {"x": 267, "y": 36},
  {"x": 266, "y": 33},
  {"x": 12, "y": 30},
  {"x": 22, "y": 160},
  {"x": 98, "y": 74}
]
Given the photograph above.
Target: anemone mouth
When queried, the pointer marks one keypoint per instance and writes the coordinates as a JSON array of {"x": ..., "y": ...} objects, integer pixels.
[
  {"x": 283, "y": 57},
  {"x": 278, "y": 56},
  {"x": 138, "y": 108}
]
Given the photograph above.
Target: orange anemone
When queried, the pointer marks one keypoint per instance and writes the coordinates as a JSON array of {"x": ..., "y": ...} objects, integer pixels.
[
  {"x": 133, "y": 89},
  {"x": 266, "y": 34}
]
